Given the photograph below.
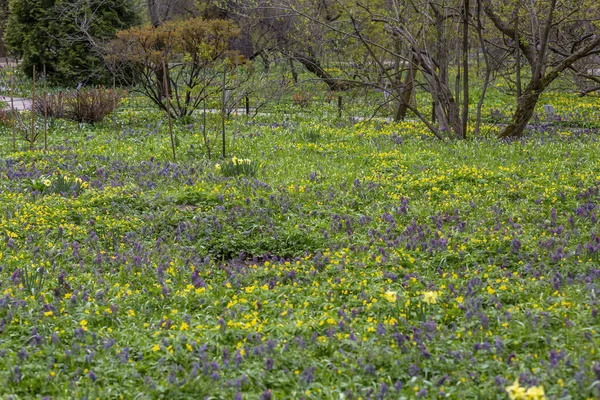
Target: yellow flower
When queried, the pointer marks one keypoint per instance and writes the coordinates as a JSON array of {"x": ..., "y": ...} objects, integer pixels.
[
  {"x": 47, "y": 182},
  {"x": 536, "y": 393},
  {"x": 516, "y": 392},
  {"x": 430, "y": 297},
  {"x": 218, "y": 167},
  {"x": 155, "y": 348},
  {"x": 391, "y": 296}
]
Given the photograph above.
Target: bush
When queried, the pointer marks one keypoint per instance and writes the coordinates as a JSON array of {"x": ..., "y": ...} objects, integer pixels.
[
  {"x": 92, "y": 105},
  {"x": 5, "y": 117},
  {"x": 302, "y": 99},
  {"x": 193, "y": 52},
  {"x": 85, "y": 105},
  {"x": 52, "y": 105}
]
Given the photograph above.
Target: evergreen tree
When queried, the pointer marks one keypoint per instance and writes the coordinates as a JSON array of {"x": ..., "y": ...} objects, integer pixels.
[{"x": 67, "y": 36}]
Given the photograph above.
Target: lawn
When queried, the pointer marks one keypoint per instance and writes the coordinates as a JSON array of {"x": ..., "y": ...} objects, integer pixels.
[{"x": 342, "y": 262}]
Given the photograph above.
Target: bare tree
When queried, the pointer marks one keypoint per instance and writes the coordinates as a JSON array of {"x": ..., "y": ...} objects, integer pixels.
[{"x": 562, "y": 33}]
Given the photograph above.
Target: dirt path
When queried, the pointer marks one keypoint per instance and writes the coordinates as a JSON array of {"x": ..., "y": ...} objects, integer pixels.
[{"x": 19, "y": 103}]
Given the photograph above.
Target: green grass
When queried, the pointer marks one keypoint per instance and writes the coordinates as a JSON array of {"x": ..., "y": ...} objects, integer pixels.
[{"x": 164, "y": 280}]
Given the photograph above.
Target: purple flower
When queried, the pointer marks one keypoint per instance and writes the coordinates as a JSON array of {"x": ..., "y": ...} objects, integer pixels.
[
  {"x": 398, "y": 385},
  {"x": 269, "y": 364},
  {"x": 267, "y": 394}
]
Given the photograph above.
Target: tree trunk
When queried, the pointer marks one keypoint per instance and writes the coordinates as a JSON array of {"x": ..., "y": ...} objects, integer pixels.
[
  {"x": 406, "y": 93},
  {"x": 523, "y": 113},
  {"x": 313, "y": 66},
  {"x": 294, "y": 72},
  {"x": 465, "y": 109}
]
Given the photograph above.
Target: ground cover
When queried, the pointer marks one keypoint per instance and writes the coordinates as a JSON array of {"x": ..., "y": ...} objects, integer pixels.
[{"x": 360, "y": 261}]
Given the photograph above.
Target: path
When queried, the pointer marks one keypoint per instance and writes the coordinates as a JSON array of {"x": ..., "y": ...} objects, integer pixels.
[{"x": 19, "y": 103}]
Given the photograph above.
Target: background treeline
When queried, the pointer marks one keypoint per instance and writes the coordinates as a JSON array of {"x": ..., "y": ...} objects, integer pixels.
[{"x": 453, "y": 50}]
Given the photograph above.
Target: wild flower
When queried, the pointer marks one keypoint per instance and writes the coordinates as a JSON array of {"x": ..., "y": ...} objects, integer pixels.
[
  {"x": 430, "y": 297},
  {"x": 390, "y": 296}
]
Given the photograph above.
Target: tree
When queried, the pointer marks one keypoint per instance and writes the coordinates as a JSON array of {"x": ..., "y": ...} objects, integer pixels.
[
  {"x": 3, "y": 18},
  {"x": 562, "y": 35},
  {"x": 192, "y": 52},
  {"x": 66, "y": 35},
  {"x": 382, "y": 41}
]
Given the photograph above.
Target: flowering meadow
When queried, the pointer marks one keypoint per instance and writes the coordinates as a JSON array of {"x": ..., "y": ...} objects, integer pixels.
[{"x": 325, "y": 261}]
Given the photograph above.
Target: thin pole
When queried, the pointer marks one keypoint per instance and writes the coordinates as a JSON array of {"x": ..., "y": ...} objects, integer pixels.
[
  {"x": 235, "y": 131},
  {"x": 45, "y": 110},
  {"x": 223, "y": 108},
  {"x": 12, "y": 108},
  {"x": 32, "y": 112},
  {"x": 168, "y": 96},
  {"x": 114, "y": 102}
]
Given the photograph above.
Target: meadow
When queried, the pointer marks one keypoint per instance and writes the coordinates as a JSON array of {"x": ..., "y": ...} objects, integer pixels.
[{"x": 326, "y": 260}]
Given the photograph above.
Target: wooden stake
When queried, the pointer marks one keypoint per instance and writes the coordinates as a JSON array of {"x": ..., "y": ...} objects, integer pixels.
[
  {"x": 12, "y": 108},
  {"x": 235, "y": 131},
  {"x": 168, "y": 96},
  {"x": 114, "y": 102},
  {"x": 223, "y": 108},
  {"x": 45, "y": 110},
  {"x": 32, "y": 137}
]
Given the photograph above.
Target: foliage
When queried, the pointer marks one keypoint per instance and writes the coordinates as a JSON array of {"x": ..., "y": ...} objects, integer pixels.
[
  {"x": 237, "y": 166},
  {"x": 66, "y": 36},
  {"x": 191, "y": 50},
  {"x": 58, "y": 184},
  {"x": 372, "y": 262}
]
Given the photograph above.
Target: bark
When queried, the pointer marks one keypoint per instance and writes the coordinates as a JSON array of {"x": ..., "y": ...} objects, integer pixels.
[
  {"x": 294, "y": 72},
  {"x": 406, "y": 94},
  {"x": 448, "y": 111},
  {"x": 525, "y": 108},
  {"x": 313, "y": 66},
  {"x": 488, "y": 70},
  {"x": 517, "y": 53},
  {"x": 465, "y": 109}
]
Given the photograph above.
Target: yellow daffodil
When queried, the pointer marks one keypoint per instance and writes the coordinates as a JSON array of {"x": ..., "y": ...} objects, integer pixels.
[
  {"x": 516, "y": 391},
  {"x": 536, "y": 393},
  {"x": 430, "y": 297},
  {"x": 391, "y": 296}
]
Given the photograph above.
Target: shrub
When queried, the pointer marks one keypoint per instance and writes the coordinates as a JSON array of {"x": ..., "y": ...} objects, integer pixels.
[
  {"x": 92, "y": 105},
  {"x": 53, "y": 105},
  {"x": 5, "y": 117},
  {"x": 302, "y": 99},
  {"x": 193, "y": 51},
  {"x": 85, "y": 105}
]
